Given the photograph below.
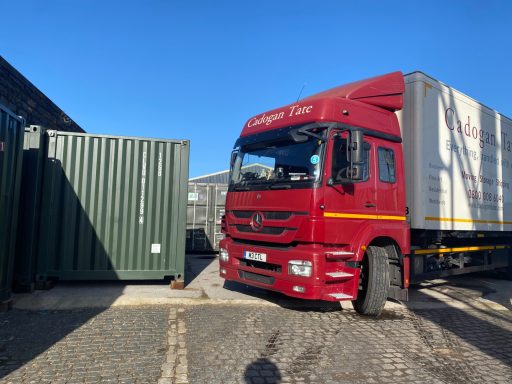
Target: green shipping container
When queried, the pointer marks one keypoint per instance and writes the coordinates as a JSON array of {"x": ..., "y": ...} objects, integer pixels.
[
  {"x": 30, "y": 208},
  {"x": 11, "y": 150},
  {"x": 112, "y": 208}
]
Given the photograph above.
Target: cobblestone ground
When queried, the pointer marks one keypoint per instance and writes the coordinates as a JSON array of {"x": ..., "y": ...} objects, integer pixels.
[
  {"x": 231, "y": 344},
  {"x": 254, "y": 344},
  {"x": 121, "y": 345}
]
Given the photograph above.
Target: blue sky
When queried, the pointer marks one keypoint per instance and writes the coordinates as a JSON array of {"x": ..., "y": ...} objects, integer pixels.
[{"x": 198, "y": 69}]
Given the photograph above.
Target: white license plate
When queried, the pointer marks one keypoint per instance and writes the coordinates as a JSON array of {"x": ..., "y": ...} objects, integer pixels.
[{"x": 255, "y": 256}]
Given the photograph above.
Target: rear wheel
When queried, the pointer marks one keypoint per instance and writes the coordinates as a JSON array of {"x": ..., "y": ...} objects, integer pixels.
[{"x": 373, "y": 282}]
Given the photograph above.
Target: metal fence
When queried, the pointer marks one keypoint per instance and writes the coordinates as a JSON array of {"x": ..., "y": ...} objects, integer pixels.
[{"x": 205, "y": 209}]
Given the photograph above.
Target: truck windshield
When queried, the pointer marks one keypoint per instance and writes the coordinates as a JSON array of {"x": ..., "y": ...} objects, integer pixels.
[{"x": 283, "y": 163}]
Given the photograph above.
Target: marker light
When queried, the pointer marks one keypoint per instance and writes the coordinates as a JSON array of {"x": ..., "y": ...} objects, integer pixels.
[
  {"x": 300, "y": 268},
  {"x": 298, "y": 288}
]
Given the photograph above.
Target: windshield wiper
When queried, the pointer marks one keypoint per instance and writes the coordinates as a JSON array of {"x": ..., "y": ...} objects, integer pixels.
[
  {"x": 280, "y": 186},
  {"x": 242, "y": 189}
]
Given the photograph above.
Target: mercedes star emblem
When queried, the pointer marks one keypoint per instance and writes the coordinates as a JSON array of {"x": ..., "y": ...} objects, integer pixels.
[{"x": 257, "y": 221}]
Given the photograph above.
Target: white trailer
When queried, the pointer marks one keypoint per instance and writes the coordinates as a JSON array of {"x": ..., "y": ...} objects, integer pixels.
[{"x": 458, "y": 159}]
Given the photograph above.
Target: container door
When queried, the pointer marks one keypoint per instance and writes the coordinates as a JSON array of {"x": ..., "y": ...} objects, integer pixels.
[
  {"x": 27, "y": 245},
  {"x": 192, "y": 197},
  {"x": 113, "y": 208},
  {"x": 197, "y": 217},
  {"x": 11, "y": 151},
  {"x": 220, "y": 204},
  {"x": 210, "y": 220}
]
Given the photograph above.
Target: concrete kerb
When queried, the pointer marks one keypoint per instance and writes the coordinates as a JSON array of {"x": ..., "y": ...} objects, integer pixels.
[
  {"x": 206, "y": 287},
  {"x": 56, "y": 304}
]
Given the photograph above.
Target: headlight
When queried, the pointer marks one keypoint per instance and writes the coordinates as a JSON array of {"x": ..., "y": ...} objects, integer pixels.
[
  {"x": 224, "y": 255},
  {"x": 300, "y": 268}
]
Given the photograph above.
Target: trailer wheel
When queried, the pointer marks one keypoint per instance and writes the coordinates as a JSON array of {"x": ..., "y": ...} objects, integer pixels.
[{"x": 373, "y": 282}]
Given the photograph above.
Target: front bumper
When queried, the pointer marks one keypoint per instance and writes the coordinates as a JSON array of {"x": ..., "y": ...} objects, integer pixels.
[{"x": 273, "y": 274}]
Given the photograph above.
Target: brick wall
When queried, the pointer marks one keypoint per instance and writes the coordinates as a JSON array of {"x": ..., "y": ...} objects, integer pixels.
[{"x": 23, "y": 98}]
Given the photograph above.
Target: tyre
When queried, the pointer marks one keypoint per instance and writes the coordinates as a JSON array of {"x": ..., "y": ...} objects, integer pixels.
[{"x": 373, "y": 282}]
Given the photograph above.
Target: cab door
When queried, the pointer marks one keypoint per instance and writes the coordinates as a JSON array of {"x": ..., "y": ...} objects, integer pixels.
[
  {"x": 388, "y": 163},
  {"x": 348, "y": 203}
]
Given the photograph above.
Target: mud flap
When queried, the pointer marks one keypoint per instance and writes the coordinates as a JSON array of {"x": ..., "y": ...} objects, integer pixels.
[{"x": 397, "y": 293}]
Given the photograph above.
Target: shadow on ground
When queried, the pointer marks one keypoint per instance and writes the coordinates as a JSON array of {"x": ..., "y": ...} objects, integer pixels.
[
  {"x": 195, "y": 263},
  {"x": 84, "y": 345},
  {"x": 453, "y": 318},
  {"x": 63, "y": 239},
  {"x": 282, "y": 300},
  {"x": 259, "y": 367},
  {"x": 26, "y": 334},
  {"x": 457, "y": 309}
]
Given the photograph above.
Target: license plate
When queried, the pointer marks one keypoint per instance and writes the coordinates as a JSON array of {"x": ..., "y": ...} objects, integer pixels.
[{"x": 255, "y": 256}]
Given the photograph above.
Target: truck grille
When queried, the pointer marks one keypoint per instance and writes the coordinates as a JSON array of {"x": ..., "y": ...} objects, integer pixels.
[
  {"x": 256, "y": 277},
  {"x": 265, "y": 230},
  {"x": 268, "y": 215}
]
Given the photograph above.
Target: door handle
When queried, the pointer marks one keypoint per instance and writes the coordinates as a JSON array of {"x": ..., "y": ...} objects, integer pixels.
[{"x": 369, "y": 205}]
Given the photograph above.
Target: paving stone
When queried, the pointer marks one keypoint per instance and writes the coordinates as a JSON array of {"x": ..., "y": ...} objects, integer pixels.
[
  {"x": 117, "y": 345},
  {"x": 258, "y": 344},
  {"x": 227, "y": 343}
]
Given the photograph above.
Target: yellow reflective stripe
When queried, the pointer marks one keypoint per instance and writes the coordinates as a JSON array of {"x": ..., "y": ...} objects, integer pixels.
[
  {"x": 459, "y": 249},
  {"x": 456, "y": 220},
  {"x": 362, "y": 216}
]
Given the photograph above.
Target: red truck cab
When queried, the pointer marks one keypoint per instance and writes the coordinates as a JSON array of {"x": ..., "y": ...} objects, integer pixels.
[{"x": 323, "y": 216}]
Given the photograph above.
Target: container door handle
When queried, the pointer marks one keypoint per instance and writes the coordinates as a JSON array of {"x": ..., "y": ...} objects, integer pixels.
[{"x": 369, "y": 205}]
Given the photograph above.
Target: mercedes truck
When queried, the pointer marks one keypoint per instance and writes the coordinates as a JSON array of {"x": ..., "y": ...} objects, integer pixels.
[{"x": 366, "y": 188}]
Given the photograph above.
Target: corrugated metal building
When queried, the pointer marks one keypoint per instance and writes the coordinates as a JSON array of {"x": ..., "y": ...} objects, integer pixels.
[{"x": 222, "y": 177}]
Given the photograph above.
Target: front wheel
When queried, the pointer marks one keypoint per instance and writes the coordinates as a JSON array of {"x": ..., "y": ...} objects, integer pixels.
[{"x": 373, "y": 282}]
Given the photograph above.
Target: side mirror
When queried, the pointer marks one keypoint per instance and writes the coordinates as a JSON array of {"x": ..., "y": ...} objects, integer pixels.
[
  {"x": 234, "y": 154},
  {"x": 356, "y": 152}
]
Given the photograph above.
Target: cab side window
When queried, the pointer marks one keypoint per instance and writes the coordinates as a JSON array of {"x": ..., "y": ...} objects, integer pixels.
[
  {"x": 340, "y": 164},
  {"x": 387, "y": 168}
]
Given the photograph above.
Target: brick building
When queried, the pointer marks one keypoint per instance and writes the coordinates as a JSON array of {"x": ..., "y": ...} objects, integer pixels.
[{"x": 24, "y": 99}]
